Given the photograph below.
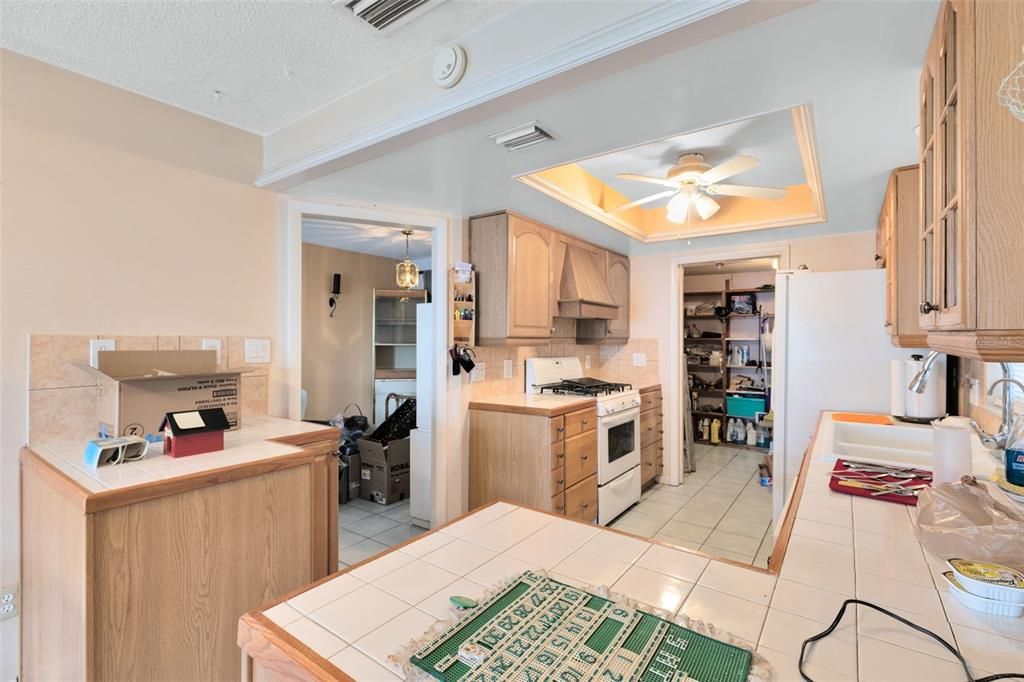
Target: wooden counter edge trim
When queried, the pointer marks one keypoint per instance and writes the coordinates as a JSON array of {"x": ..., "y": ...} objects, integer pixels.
[
  {"x": 325, "y": 435},
  {"x": 782, "y": 542},
  {"x": 651, "y": 389},
  {"x": 151, "y": 490},
  {"x": 61, "y": 483},
  {"x": 277, "y": 650},
  {"x": 553, "y": 411}
]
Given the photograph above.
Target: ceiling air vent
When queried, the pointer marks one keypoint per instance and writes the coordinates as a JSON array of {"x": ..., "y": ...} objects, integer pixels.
[
  {"x": 521, "y": 136},
  {"x": 382, "y": 14}
]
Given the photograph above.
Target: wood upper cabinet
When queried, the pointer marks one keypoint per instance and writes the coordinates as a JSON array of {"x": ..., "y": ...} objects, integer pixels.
[
  {"x": 618, "y": 284},
  {"x": 972, "y": 207},
  {"x": 898, "y": 226},
  {"x": 529, "y": 279},
  {"x": 512, "y": 257}
]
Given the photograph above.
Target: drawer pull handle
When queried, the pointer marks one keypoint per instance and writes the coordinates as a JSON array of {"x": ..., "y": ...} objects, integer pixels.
[
  {"x": 560, "y": 456},
  {"x": 586, "y": 505},
  {"x": 560, "y": 482},
  {"x": 584, "y": 457},
  {"x": 560, "y": 429},
  {"x": 585, "y": 421}
]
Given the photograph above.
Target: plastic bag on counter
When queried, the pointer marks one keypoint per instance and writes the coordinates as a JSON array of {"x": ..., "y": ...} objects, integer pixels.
[{"x": 971, "y": 519}]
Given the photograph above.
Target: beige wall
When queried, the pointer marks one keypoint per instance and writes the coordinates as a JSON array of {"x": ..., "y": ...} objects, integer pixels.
[
  {"x": 119, "y": 215},
  {"x": 336, "y": 351}
]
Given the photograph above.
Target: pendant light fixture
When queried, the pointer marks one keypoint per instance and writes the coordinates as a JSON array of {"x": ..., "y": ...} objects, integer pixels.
[{"x": 407, "y": 275}]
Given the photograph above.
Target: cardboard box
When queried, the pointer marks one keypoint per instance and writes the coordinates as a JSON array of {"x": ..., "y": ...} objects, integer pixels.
[
  {"x": 138, "y": 388},
  {"x": 385, "y": 471}
]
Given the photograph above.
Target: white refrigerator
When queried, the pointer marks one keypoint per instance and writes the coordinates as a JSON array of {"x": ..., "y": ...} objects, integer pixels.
[{"x": 831, "y": 351}]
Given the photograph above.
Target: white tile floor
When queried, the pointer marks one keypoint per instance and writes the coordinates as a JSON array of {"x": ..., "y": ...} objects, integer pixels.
[
  {"x": 367, "y": 528},
  {"x": 721, "y": 510}
]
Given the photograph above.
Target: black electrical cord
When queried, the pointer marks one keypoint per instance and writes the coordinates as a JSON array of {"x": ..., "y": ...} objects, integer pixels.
[{"x": 952, "y": 649}]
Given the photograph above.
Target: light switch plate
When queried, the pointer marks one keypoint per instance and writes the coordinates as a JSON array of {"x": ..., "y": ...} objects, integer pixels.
[
  {"x": 639, "y": 359},
  {"x": 95, "y": 346},
  {"x": 212, "y": 344},
  {"x": 586, "y": 361},
  {"x": 506, "y": 369},
  {"x": 257, "y": 351},
  {"x": 478, "y": 374}
]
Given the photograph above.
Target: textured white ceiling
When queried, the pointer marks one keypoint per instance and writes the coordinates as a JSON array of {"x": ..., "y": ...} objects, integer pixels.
[
  {"x": 769, "y": 138},
  {"x": 274, "y": 61},
  {"x": 732, "y": 267},
  {"x": 373, "y": 240}
]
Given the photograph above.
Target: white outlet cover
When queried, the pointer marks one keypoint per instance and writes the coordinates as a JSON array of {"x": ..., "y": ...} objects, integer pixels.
[
  {"x": 212, "y": 344},
  {"x": 639, "y": 359},
  {"x": 257, "y": 351},
  {"x": 478, "y": 374},
  {"x": 506, "y": 369},
  {"x": 95, "y": 346}
]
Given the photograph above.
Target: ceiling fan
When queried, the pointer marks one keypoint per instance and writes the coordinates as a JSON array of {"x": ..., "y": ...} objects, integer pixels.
[{"x": 694, "y": 182}]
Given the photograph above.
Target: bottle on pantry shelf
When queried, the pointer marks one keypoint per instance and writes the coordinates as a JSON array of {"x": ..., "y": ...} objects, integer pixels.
[
  {"x": 741, "y": 432},
  {"x": 751, "y": 434},
  {"x": 716, "y": 429}
]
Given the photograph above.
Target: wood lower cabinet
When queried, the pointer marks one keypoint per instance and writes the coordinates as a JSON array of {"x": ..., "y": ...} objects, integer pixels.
[
  {"x": 972, "y": 206},
  {"x": 652, "y": 463},
  {"x": 897, "y": 252},
  {"x": 147, "y": 582},
  {"x": 537, "y": 460}
]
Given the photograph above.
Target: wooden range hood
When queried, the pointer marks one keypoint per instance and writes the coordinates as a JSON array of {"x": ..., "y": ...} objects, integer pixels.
[{"x": 583, "y": 293}]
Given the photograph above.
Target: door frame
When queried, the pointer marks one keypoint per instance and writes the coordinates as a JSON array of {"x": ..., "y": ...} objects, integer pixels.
[
  {"x": 778, "y": 250},
  {"x": 286, "y": 396}
]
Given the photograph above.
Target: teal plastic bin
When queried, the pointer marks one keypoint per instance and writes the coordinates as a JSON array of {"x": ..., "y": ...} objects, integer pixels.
[{"x": 743, "y": 406}]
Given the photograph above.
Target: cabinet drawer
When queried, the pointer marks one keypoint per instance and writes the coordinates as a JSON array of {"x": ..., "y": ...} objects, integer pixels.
[
  {"x": 649, "y": 463},
  {"x": 557, "y": 428},
  {"x": 650, "y": 401},
  {"x": 557, "y": 480},
  {"x": 581, "y": 500},
  {"x": 650, "y": 427},
  {"x": 580, "y": 457},
  {"x": 580, "y": 422},
  {"x": 557, "y": 454},
  {"x": 558, "y": 503}
]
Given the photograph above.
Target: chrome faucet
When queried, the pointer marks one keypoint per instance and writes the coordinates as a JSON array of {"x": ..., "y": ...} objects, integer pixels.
[
  {"x": 920, "y": 381},
  {"x": 998, "y": 440}
]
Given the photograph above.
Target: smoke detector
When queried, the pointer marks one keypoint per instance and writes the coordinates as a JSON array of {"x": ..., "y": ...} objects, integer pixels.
[
  {"x": 521, "y": 136},
  {"x": 449, "y": 66}
]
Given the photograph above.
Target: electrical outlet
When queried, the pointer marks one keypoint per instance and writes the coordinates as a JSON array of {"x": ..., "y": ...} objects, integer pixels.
[
  {"x": 478, "y": 374},
  {"x": 506, "y": 369},
  {"x": 639, "y": 359},
  {"x": 586, "y": 361},
  {"x": 9, "y": 602},
  {"x": 977, "y": 396},
  {"x": 212, "y": 344},
  {"x": 95, "y": 346},
  {"x": 257, "y": 351}
]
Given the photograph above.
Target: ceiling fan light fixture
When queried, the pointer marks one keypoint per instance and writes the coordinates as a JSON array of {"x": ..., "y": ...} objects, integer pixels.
[
  {"x": 678, "y": 209},
  {"x": 706, "y": 206}
]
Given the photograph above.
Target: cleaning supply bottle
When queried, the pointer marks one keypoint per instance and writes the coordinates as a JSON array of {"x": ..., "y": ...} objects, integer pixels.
[
  {"x": 751, "y": 434},
  {"x": 730, "y": 429},
  {"x": 716, "y": 429},
  {"x": 1015, "y": 454}
]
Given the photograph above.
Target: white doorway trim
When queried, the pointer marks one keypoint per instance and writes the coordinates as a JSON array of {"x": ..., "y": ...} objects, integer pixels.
[
  {"x": 286, "y": 392},
  {"x": 778, "y": 250}
]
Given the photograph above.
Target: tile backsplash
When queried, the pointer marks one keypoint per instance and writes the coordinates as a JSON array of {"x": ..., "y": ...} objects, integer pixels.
[
  {"x": 609, "y": 362},
  {"x": 62, "y": 398}
]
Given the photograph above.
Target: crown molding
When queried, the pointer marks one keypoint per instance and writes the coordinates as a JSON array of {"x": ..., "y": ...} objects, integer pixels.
[{"x": 637, "y": 29}]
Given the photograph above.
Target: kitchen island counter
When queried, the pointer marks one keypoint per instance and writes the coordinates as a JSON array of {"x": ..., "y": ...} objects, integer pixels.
[
  {"x": 835, "y": 547},
  {"x": 542, "y": 405},
  {"x": 141, "y": 570}
]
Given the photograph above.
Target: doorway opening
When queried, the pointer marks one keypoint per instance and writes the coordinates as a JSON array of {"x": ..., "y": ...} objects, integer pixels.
[{"x": 721, "y": 405}]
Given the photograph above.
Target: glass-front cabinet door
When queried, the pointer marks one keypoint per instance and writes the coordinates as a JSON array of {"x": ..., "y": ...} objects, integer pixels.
[
  {"x": 947, "y": 301},
  {"x": 926, "y": 245}
]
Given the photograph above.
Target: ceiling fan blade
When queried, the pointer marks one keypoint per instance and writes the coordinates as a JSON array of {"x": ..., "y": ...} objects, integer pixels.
[
  {"x": 647, "y": 178},
  {"x": 646, "y": 200},
  {"x": 733, "y": 166},
  {"x": 747, "y": 191}
]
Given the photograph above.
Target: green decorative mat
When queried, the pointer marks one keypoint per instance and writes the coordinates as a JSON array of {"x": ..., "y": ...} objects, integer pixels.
[{"x": 536, "y": 628}]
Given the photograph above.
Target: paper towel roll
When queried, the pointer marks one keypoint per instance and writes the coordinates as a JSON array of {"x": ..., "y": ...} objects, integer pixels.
[
  {"x": 898, "y": 388},
  {"x": 951, "y": 450}
]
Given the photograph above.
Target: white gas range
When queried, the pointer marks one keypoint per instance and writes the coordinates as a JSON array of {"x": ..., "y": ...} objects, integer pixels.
[{"x": 618, "y": 428}]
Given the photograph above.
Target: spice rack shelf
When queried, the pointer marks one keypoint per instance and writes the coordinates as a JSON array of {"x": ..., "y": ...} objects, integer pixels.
[{"x": 462, "y": 331}]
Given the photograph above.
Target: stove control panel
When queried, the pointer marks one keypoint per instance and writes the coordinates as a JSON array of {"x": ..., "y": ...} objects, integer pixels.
[{"x": 617, "y": 403}]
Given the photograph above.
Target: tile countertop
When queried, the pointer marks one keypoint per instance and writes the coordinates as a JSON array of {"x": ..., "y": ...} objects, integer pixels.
[
  {"x": 254, "y": 442},
  {"x": 841, "y": 546},
  {"x": 545, "y": 405}
]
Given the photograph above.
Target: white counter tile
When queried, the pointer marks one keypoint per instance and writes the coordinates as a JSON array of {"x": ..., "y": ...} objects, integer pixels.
[
  {"x": 499, "y": 569},
  {"x": 325, "y": 593},
  {"x": 460, "y": 556},
  {"x": 988, "y": 651},
  {"x": 415, "y": 581},
  {"x": 958, "y": 614},
  {"x": 592, "y": 568},
  {"x": 906, "y": 568},
  {"x": 358, "y": 612},
  {"x": 880, "y": 661},
  {"x": 740, "y": 617},
  {"x": 740, "y": 582},
  {"x": 315, "y": 637},
  {"x": 438, "y": 604},
  {"x": 389, "y": 637},
  {"x": 785, "y": 668},
  {"x": 361, "y": 667},
  {"x": 380, "y": 567},
  {"x": 617, "y": 546},
  {"x": 282, "y": 614},
  {"x": 673, "y": 562},
  {"x": 871, "y": 623},
  {"x": 828, "y": 576},
  {"x": 786, "y": 632},
  {"x": 807, "y": 601},
  {"x": 569, "y": 534},
  {"x": 823, "y": 531},
  {"x": 527, "y": 519},
  {"x": 888, "y": 592},
  {"x": 427, "y": 544},
  {"x": 496, "y": 536},
  {"x": 653, "y": 589}
]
